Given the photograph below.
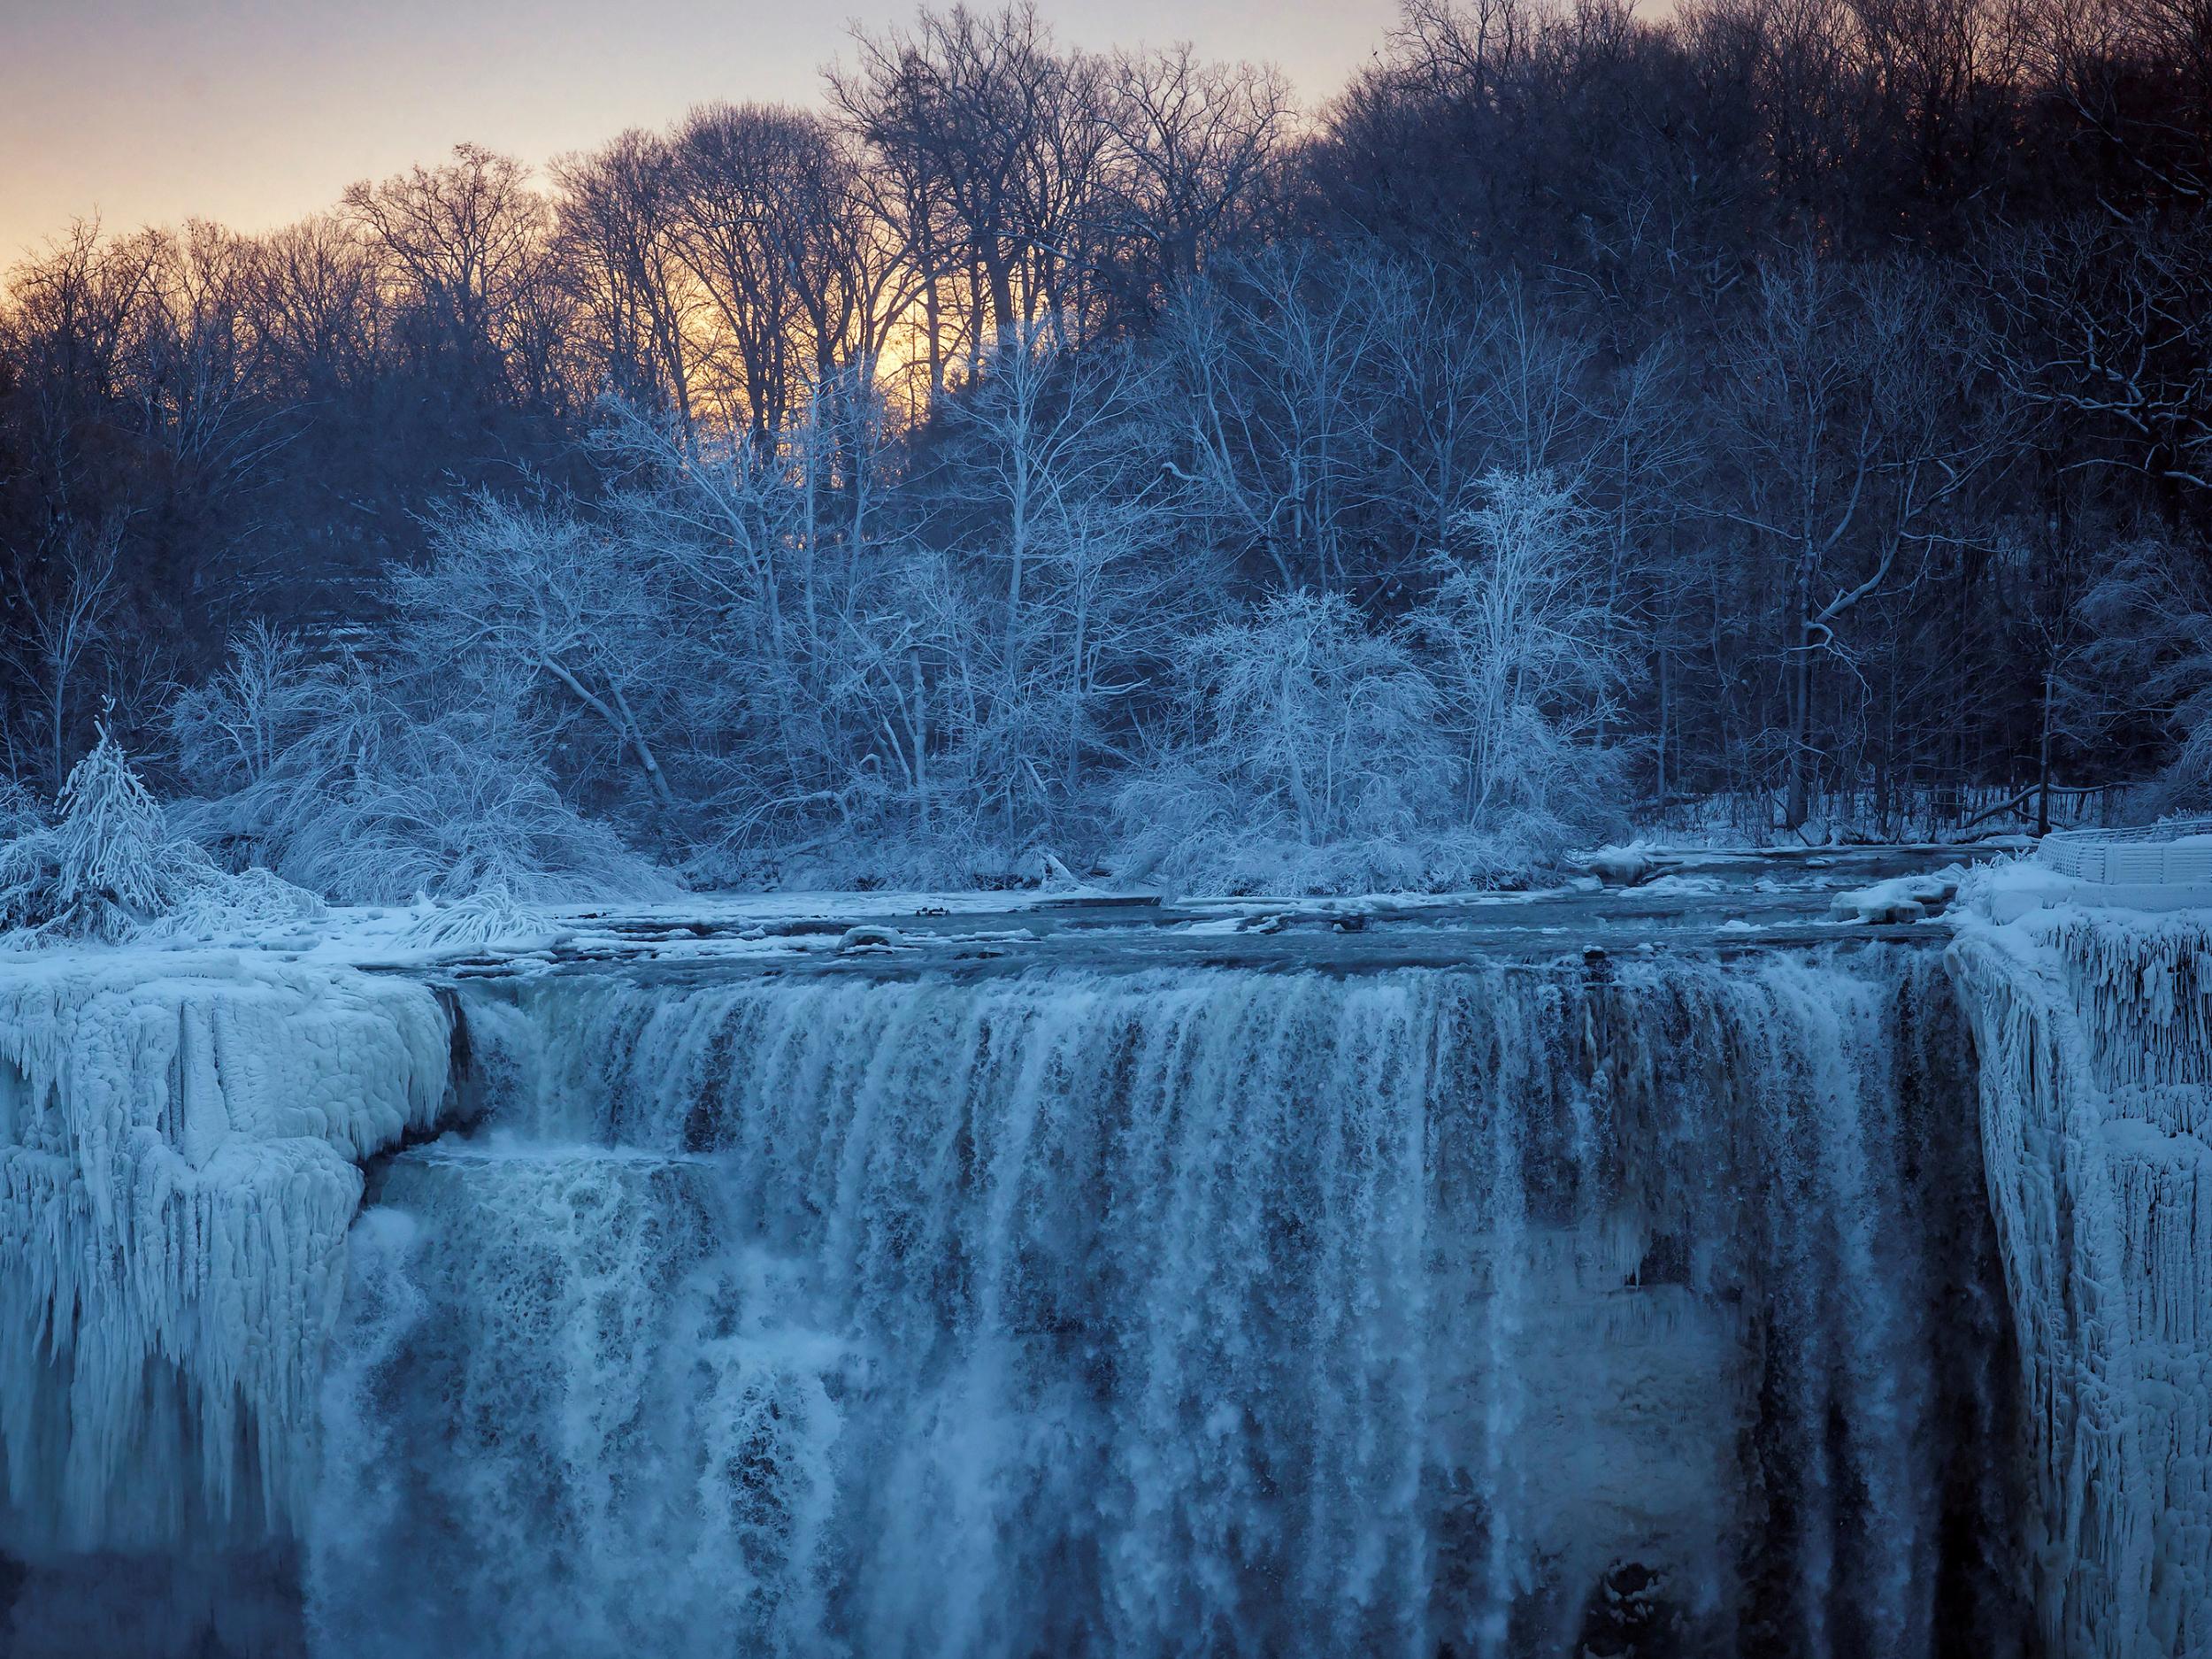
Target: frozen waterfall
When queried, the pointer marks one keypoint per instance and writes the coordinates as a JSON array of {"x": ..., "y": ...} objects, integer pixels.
[
  {"x": 2096, "y": 1041},
  {"x": 179, "y": 1167}
]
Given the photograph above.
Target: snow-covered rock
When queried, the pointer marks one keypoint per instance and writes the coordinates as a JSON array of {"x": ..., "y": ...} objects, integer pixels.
[
  {"x": 1899, "y": 899},
  {"x": 2095, "y": 1036},
  {"x": 178, "y": 1146},
  {"x": 1621, "y": 867}
]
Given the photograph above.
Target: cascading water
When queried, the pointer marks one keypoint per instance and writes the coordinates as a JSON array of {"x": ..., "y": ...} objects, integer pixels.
[{"x": 1645, "y": 1306}]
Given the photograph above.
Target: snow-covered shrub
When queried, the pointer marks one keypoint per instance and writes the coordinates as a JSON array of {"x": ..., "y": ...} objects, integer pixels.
[
  {"x": 340, "y": 780},
  {"x": 450, "y": 810},
  {"x": 109, "y": 867},
  {"x": 249, "y": 901},
  {"x": 1307, "y": 757},
  {"x": 2151, "y": 621},
  {"x": 19, "y": 807},
  {"x": 1318, "y": 751},
  {"x": 486, "y": 917}
]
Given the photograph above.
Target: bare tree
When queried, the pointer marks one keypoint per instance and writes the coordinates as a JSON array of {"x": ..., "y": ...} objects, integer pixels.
[
  {"x": 466, "y": 246},
  {"x": 1189, "y": 143},
  {"x": 1001, "y": 139},
  {"x": 64, "y": 631},
  {"x": 1847, "y": 448},
  {"x": 617, "y": 216}
]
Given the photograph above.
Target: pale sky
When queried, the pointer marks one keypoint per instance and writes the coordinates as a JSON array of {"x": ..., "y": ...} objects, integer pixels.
[{"x": 258, "y": 111}]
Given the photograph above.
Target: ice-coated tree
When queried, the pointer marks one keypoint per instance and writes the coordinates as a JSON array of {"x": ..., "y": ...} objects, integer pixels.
[
  {"x": 1057, "y": 491},
  {"x": 1523, "y": 656},
  {"x": 115, "y": 863},
  {"x": 62, "y": 635},
  {"x": 1306, "y": 737},
  {"x": 233, "y": 728},
  {"x": 2149, "y": 655},
  {"x": 107, "y": 866},
  {"x": 544, "y": 596},
  {"x": 1278, "y": 390}
]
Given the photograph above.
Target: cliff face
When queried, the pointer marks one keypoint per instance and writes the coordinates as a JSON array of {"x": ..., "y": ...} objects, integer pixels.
[{"x": 2095, "y": 1038}]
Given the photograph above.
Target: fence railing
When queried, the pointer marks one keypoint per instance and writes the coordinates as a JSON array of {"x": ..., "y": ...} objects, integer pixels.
[{"x": 2175, "y": 854}]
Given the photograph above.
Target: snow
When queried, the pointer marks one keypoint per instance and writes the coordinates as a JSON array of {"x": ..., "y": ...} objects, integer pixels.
[{"x": 179, "y": 1143}]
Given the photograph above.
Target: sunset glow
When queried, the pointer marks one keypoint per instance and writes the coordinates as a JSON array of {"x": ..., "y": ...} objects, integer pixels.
[{"x": 256, "y": 112}]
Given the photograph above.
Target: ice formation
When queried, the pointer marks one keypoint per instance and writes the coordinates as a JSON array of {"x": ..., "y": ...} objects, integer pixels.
[
  {"x": 1508, "y": 1309},
  {"x": 2095, "y": 1036},
  {"x": 179, "y": 1140}
]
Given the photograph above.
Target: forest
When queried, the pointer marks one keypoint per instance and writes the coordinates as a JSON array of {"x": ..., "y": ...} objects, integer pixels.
[{"x": 1004, "y": 462}]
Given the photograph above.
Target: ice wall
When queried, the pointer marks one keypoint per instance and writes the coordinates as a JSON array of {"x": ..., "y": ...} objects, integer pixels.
[
  {"x": 2095, "y": 1036},
  {"x": 1643, "y": 1307},
  {"x": 178, "y": 1143}
]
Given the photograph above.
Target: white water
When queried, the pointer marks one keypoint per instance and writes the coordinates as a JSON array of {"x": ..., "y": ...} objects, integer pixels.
[{"x": 1489, "y": 1311}]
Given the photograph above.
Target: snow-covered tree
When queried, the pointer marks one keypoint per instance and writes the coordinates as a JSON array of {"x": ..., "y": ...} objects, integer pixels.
[
  {"x": 1307, "y": 739},
  {"x": 545, "y": 599},
  {"x": 1523, "y": 655},
  {"x": 2147, "y": 657},
  {"x": 108, "y": 866}
]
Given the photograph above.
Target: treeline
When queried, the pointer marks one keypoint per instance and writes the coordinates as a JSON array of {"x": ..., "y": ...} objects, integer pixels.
[{"x": 1019, "y": 452}]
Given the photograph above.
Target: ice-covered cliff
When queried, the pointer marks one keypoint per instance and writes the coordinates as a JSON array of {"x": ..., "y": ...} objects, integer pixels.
[
  {"x": 2095, "y": 1034},
  {"x": 179, "y": 1143},
  {"x": 1632, "y": 1307}
]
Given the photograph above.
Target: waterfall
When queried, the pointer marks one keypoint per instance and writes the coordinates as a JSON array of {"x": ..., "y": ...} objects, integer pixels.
[
  {"x": 2095, "y": 1034},
  {"x": 1633, "y": 1306}
]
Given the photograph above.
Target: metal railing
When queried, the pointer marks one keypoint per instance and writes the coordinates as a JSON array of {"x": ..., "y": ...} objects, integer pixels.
[{"x": 2175, "y": 854}]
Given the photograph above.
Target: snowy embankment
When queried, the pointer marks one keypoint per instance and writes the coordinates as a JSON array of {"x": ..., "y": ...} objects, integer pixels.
[
  {"x": 2094, "y": 1027},
  {"x": 180, "y": 1141}
]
